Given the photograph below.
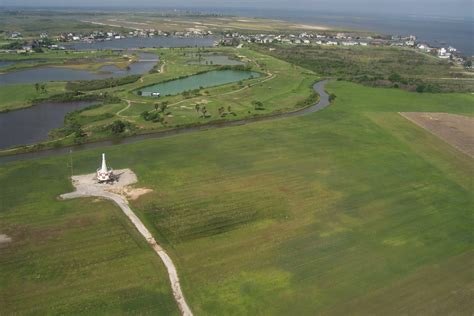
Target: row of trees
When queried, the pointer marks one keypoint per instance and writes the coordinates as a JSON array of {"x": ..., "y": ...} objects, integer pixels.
[{"x": 40, "y": 87}]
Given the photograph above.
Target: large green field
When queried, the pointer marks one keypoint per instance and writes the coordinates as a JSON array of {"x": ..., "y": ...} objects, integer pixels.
[
  {"x": 72, "y": 257},
  {"x": 352, "y": 209}
]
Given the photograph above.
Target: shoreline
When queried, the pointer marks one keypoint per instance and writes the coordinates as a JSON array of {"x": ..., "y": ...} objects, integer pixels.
[{"x": 318, "y": 87}]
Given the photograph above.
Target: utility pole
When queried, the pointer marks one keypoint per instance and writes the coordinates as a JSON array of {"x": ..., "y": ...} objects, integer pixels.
[{"x": 70, "y": 161}]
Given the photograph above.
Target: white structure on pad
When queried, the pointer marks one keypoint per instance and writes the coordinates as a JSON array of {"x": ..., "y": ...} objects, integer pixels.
[{"x": 104, "y": 174}]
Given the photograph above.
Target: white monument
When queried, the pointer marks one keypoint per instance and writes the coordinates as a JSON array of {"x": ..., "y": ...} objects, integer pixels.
[{"x": 104, "y": 174}]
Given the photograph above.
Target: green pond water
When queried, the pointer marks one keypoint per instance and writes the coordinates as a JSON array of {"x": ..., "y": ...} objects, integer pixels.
[{"x": 206, "y": 79}]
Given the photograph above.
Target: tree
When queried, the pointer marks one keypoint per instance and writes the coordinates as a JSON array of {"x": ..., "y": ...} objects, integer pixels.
[
  {"x": 37, "y": 87},
  {"x": 157, "y": 105},
  {"x": 197, "y": 107},
  {"x": 79, "y": 135},
  {"x": 117, "y": 127},
  {"x": 43, "y": 88},
  {"x": 229, "y": 109},
  {"x": 163, "y": 107},
  {"x": 420, "y": 88},
  {"x": 204, "y": 111},
  {"x": 258, "y": 105},
  {"x": 395, "y": 77},
  {"x": 221, "y": 111}
]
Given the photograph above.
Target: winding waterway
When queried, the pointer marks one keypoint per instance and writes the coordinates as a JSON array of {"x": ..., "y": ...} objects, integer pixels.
[{"x": 319, "y": 87}]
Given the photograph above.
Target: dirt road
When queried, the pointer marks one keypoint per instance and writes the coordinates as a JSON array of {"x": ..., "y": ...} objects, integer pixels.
[{"x": 86, "y": 186}]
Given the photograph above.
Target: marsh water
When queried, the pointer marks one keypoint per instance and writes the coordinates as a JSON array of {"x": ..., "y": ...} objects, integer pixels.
[
  {"x": 32, "y": 125},
  {"x": 50, "y": 73},
  {"x": 206, "y": 79}
]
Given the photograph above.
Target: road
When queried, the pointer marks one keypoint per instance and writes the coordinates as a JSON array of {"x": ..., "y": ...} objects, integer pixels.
[{"x": 86, "y": 187}]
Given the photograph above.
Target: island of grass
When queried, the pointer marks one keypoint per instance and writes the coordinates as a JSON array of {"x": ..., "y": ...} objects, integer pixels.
[
  {"x": 262, "y": 86},
  {"x": 349, "y": 209}
]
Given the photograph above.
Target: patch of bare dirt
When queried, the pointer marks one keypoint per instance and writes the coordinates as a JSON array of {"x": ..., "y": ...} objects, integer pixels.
[
  {"x": 122, "y": 185},
  {"x": 131, "y": 193},
  {"x": 456, "y": 130},
  {"x": 4, "y": 239}
]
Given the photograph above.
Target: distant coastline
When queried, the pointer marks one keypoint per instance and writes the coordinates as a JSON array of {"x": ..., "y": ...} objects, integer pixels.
[{"x": 436, "y": 31}]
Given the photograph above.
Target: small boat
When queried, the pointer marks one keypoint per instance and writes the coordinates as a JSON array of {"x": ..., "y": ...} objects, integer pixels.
[{"x": 155, "y": 94}]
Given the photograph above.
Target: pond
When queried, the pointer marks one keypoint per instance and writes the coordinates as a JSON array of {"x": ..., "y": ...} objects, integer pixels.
[
  {"x": 206, "y": 79},
  {"x": 49, "y": 73},
  {"x": 32, "y": 125},
  {"x": 212, "y": 59},
  {"x": 147, "y": 42}
]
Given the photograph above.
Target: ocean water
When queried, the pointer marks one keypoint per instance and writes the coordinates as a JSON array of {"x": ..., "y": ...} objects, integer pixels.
[{"x": 435, "y": 30}]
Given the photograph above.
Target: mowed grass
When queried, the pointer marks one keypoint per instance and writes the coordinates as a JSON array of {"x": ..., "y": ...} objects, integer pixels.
[
  {"x": 282, "y": 87},
  {"x": 72, "y": 257},
  {"x": 330, "y": 213},
  {"x": 22, "y": 95}
]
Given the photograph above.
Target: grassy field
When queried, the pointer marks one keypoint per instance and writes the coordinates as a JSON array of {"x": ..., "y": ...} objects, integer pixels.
[
  {"x": 22, "y": 95},
  {"x": 92, "y": 61},
  {"x": 281, "y": 87},
  {"x": 72, "y": 257},
  {"x": 33, "y": 23},
  {"x": 375, "y": 65},
  {"x": 351, "y": 209}
]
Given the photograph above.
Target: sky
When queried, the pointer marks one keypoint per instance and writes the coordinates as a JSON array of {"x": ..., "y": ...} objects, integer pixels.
[{"x": 445, "y": 8}]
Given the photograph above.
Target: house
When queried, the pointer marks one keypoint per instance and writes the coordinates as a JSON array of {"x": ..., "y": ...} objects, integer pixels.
[
  {"x": 15, "y": 35},
  {"x": 443, "y": 53},
  {"x": 348, "y": 43}
]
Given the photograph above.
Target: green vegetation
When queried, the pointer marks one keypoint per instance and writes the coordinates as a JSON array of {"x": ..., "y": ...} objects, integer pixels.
[
  {"x": 378, "y": 66},
  {"x": 33, "y": 23},
  {"x": 282, "y": 87},
  {"x": 24, "y": 95},
  {"x": 91, "y": 61},
  {"x": 72, "y": 257},
  {"x": 352, "y": 208},
  {"x": 89, "y": 85}
]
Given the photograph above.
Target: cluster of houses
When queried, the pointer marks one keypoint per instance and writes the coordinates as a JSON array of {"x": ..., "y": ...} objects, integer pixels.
[
  {"x": 342, "y": 39},
  {"x": 144, "y": 33},
  {"x": 236, "y": 39}
]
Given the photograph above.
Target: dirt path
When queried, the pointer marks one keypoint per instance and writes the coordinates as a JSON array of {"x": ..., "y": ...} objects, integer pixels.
[
  {"x": 129, "y": 102},
  {"x": 86, "y": 186}
]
